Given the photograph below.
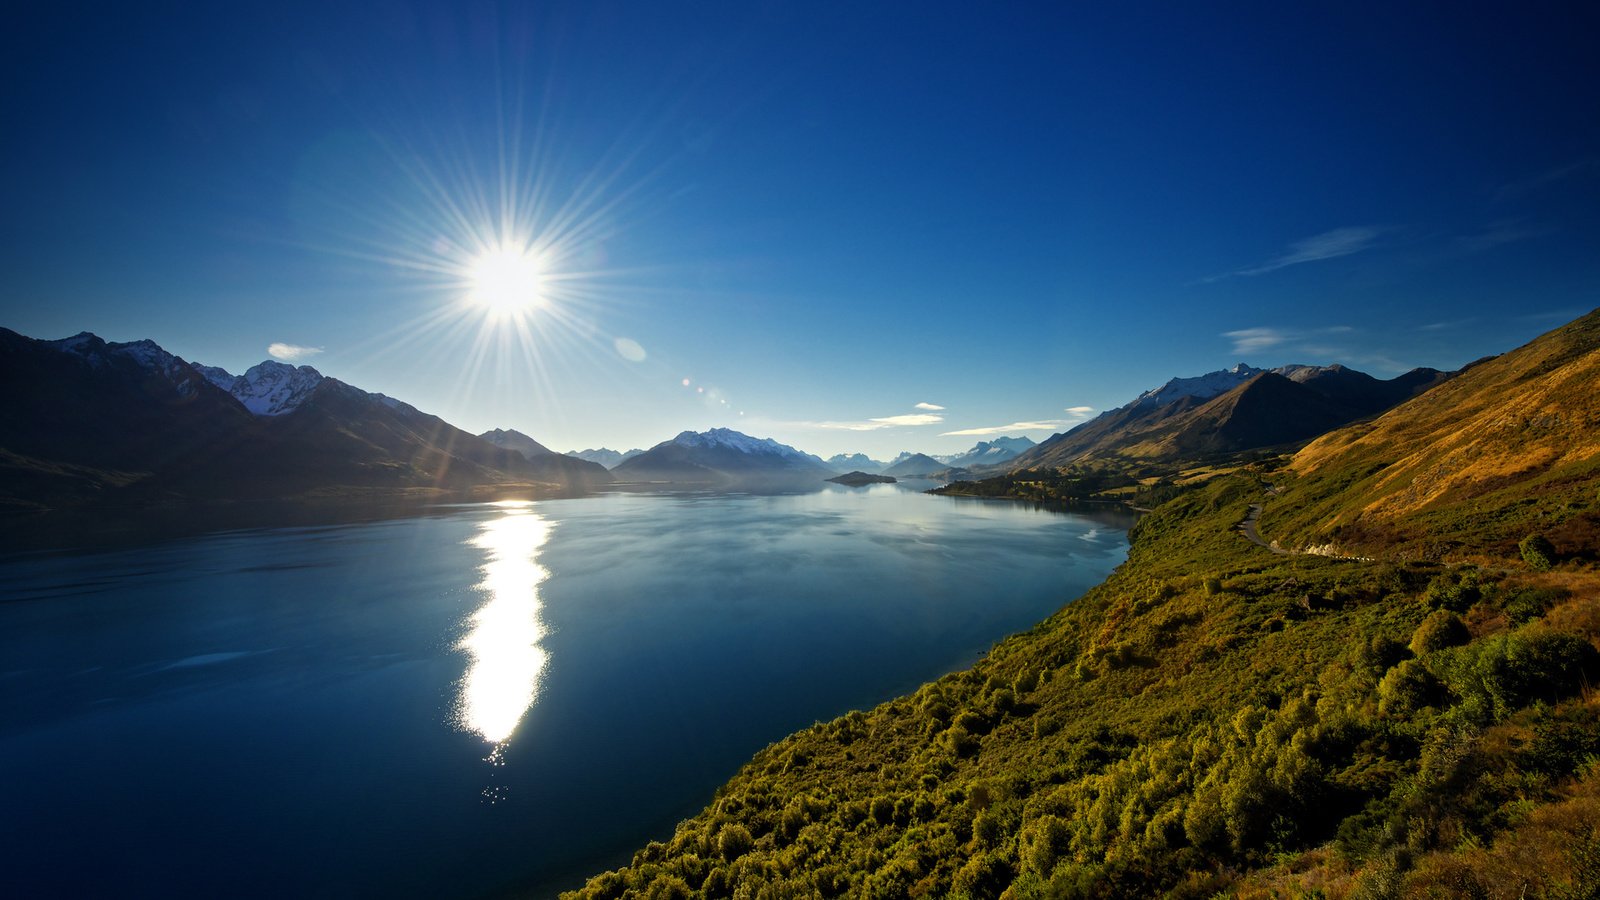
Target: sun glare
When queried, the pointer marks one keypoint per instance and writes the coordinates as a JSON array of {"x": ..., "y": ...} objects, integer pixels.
[{"x": 507, "y": 280}]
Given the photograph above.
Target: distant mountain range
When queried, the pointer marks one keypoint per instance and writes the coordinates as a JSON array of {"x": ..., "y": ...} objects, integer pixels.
[
  {"x": 722, "y": 457},
  {"x": 605, "y": 457},
  {"x": 988, "y": 453},
  {"x": 1229, "y": 411},
  {"x": 910, "y": 465},
  {"x": 856, "y": 462},
  {"x": 107, "y": 422}
]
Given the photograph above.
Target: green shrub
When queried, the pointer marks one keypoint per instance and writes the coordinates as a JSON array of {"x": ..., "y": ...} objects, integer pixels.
[
  {"x": 734, "y": 841},
  {"x": 1408, "y": 687},
  {"x": 1454, "y": 592},
  {"x": 1496, "y": 676},
  {"x": 1537, "y": 552},
  {"x": 1442, "y": 628},
  {"x": 1380, "y": 654},
  {"x": 1525, "y": 605}
]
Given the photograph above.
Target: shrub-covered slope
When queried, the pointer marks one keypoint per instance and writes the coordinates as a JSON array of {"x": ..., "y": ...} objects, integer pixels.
[{"x": 1213, "y": 717}]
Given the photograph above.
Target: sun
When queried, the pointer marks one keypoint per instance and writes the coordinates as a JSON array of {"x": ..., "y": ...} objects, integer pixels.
[{"x": 507, "y": 280}]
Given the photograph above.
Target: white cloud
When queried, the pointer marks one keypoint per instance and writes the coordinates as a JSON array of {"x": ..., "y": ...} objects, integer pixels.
[
  {"x": 629, "y": 349},
  {"x": 1327, "y": 245},
  {"x": 930, "y": 406},
  {"x": 877, "y": 423},
  {"x": 291, "y": 352},
  {"x": 1251, "y": 340},
  {"x": 1050, "y": 425},
  {"x": 1076, "y": 415},
  {"x": 1256, "y": 340},
  {"x": 1523, "y": 188}
]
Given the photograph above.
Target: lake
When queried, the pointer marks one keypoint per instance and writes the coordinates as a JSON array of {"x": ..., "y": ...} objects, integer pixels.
[{"x": 484, "y": 700}]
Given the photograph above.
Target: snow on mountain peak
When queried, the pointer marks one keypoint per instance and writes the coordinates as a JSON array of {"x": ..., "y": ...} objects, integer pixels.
[
  {"x": 743, "y": 443},
  {"x": 146, "y": 354},
  {"x": 1204, "y": 387},
  {"x": 268, "y": 388}
]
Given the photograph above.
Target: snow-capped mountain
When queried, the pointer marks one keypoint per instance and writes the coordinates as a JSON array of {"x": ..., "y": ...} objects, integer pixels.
[
  {"x": 727, "y": 438},
  {"x": 102, "y": 421},
  {"x": 1215, "y": 384},
  {"x": 987, "y": 453},
  {"x": 269, "y": 388},
  {"x": 856, "y": 462},
  {"x": 1229, "y": 411},
  {"x": 145, "y": 354},
  {"x": 721, "y": 455},
  {"x": 604, "y": 456}
]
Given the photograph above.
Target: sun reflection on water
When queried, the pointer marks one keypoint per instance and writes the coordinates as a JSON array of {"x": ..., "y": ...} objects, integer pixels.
[{"x": 502, "y": 680}]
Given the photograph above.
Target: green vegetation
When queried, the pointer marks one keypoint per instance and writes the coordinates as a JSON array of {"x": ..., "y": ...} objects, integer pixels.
[
  {"x": 1402, "y": 709},
  {"x": 1074, "y": 484},
  {"x": 1213, "y": 718}
]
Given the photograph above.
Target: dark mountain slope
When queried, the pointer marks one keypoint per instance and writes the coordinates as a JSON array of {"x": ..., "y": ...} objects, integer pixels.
[
  {"x": 84, "y": 422},
  {"x": 1270, "y": 409}
]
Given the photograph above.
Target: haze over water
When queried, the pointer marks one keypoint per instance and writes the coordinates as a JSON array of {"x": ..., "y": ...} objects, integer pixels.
[{"x": 490, "y": 698}]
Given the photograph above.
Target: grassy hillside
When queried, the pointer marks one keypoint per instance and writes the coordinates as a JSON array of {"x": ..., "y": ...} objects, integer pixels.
[
  {"x": 1217, "y": 719},
  {"x": 1212, "y": 717},
  {"x": 1508, "y": 449}
]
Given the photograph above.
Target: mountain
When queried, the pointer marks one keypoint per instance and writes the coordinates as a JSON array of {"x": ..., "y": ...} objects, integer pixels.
[
  {"x": 1224, "y": 718},
  {"x": 605, "y": 457},
  {"x": 1228, "y": 411},
  {"x": 511, "y": 439},
  {"x": 857, "y": 462},
  {"x": 721, "y": 456},
  {"x": 132, "y": 424},
  {"x": 1463, "y": 465},
  {"x": 83, "y": 418},
  {"x": 988, "y": 453},
  {"x": 908, "y": 465},
  {"x": 268, "y": 388}
]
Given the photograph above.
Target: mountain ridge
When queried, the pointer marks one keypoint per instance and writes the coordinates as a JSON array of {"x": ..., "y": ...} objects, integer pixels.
[{"x": 722, "y": 456}]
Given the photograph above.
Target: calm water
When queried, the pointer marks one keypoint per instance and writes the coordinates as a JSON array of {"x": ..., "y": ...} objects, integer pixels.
[{"x": 498, "y": 698}]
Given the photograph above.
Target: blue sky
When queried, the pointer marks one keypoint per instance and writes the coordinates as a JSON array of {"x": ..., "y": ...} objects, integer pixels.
[{"x": 825, "y": 218}]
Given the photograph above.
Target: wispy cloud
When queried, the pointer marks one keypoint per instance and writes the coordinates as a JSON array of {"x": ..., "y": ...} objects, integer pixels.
[
  {"x": 1327, "y": 245},
  {"x": 1505, "y": 231},
  {"x": 1523, "y": 187},
  {"x": 1049, "y": 425},
  {"x": 878, "y": 423},
  {"x": 1075, "y": 415},
  {"x": 930, "y": 406},
  {"x": 291, "y": 352},
  {"x": 1255, "y": 340}
]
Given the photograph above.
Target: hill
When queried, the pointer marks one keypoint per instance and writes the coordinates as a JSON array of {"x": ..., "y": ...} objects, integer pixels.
[
  {"x": 1227, "y": 412},
  {"x": 1218, "y": 719},
  {"x": 1508, "y": 449},
  {"x": 130, "y": 426},
  {"x": 913, "y": 465},
  {"x": 722, "y": 457}
]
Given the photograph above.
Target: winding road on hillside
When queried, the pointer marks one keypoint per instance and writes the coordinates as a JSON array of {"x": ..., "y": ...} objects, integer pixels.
[{"x": 1248, "y": 529}]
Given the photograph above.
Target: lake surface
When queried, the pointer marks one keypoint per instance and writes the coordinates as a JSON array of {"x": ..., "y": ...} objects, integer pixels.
[{"x": 489, "y": 699}]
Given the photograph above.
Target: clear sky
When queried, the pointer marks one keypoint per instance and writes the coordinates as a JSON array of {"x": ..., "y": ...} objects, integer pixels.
[{"x": 852, "y": 227}]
